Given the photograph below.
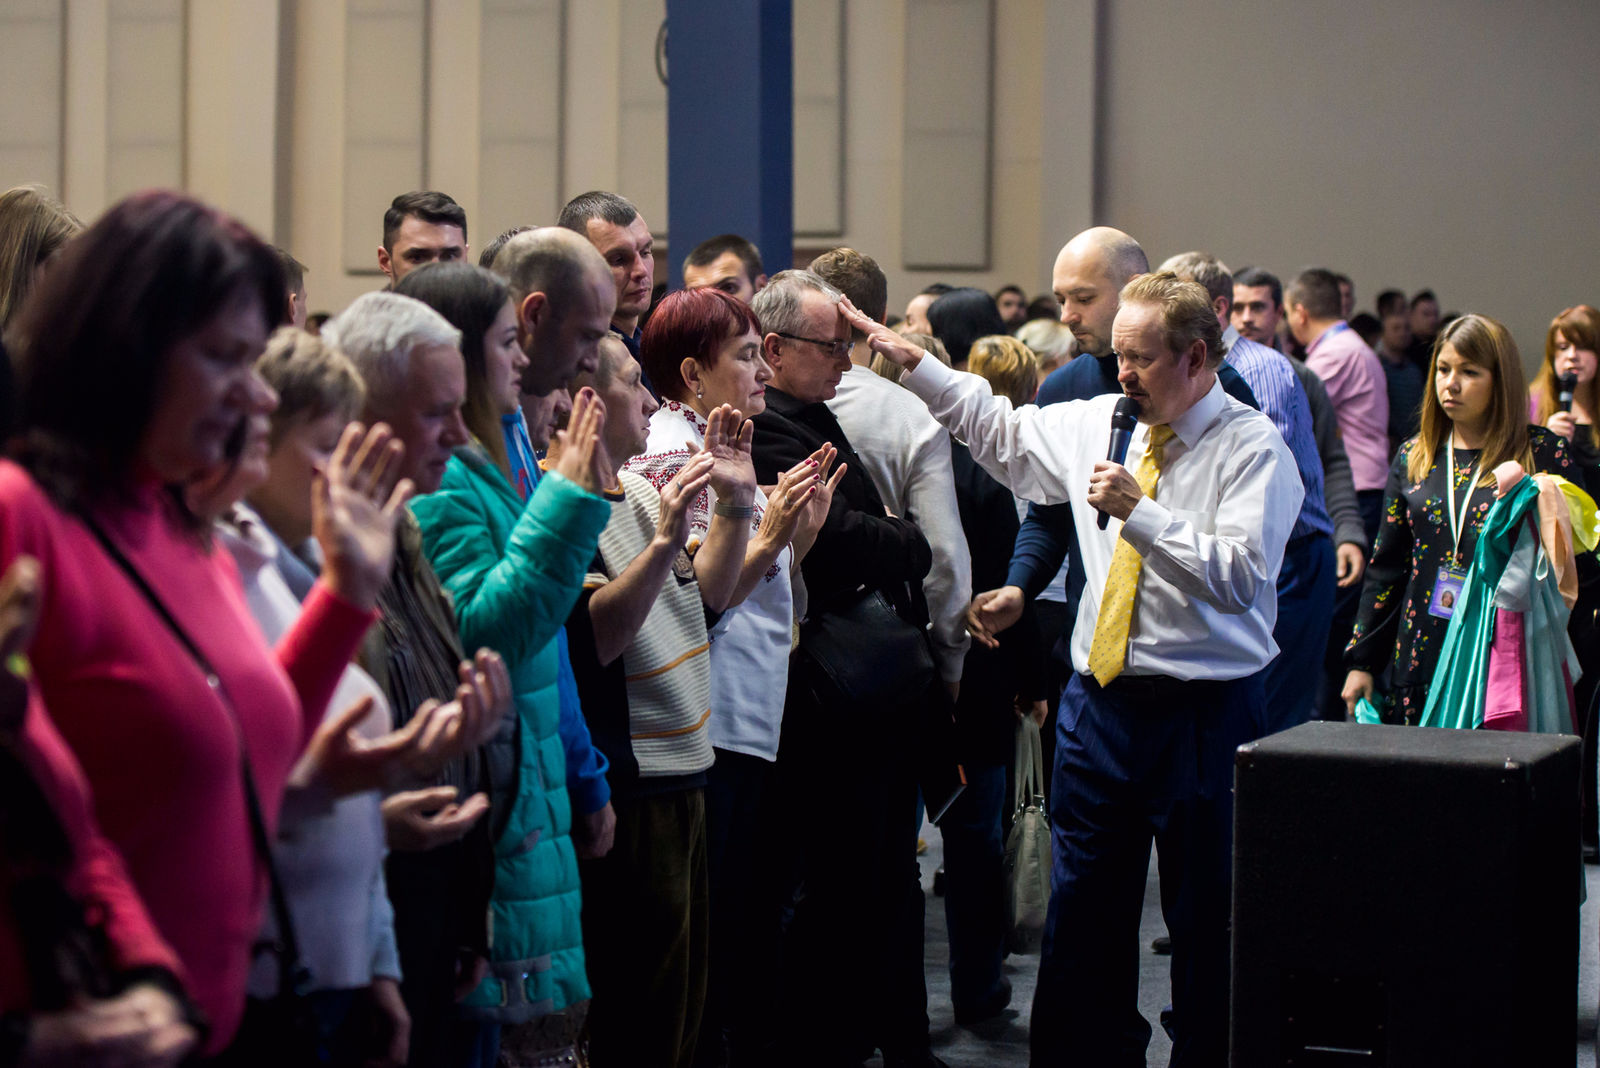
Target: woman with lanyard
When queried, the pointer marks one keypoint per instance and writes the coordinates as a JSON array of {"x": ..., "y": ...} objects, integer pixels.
[{"x": 1441, "y": 485}]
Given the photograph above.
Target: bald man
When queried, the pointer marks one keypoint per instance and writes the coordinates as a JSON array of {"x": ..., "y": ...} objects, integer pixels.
[
  {"x": 565, "y": 297},
  {"x": 1090, "y": 271}
]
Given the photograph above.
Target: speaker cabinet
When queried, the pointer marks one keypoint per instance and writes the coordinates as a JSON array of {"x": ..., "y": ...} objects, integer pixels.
[{"x": 1405, "y": 896}]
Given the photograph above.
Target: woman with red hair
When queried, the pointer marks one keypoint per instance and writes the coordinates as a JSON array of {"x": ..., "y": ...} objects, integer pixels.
[{"x": 702, "y": 349}]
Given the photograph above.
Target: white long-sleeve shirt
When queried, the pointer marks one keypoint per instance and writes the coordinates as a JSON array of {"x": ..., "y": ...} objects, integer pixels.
[
  {"x": 907, "y": 456},
  {"x": 1212, "y": 538}
]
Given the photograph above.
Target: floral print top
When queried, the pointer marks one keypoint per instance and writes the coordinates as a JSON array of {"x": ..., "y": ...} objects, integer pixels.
[{"x": 1394, "y": 625}]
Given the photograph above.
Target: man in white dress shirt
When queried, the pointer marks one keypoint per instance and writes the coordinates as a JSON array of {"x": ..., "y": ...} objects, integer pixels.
[{"x": 1173, "y": 631}]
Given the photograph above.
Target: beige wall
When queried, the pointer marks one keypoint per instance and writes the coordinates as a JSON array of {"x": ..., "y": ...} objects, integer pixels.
[
  {"x": 1449, "y": 143},
  {"x": 1409, "y": 144}
]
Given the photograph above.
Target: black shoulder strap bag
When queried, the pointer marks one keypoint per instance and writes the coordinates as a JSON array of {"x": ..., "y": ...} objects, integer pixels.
[{"x": 280, "y": 1030}]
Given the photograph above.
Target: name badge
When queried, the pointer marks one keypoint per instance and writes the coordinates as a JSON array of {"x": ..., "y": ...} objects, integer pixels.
[{"x": 1446, "y": 592}]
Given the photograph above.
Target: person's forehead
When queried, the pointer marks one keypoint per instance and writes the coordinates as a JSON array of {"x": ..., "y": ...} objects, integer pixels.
[
  {"x": 1136, "y": 324},
  {"x": 607, "y": 236},
  {"x": 822, "y": 312},
  {"x": 727, "y": 265},
  {"x": 438, "y": 369},
  {"x": 417, "y": 231},
  {"x": 1081, "y": 270},
  {"x": 1252, "y": 294}
]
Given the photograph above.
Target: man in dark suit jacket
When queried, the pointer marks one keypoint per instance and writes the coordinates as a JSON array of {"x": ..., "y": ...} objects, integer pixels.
[{"x": 854, "y": 947}]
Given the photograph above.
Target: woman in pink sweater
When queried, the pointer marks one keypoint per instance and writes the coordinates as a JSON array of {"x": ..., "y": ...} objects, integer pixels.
[{"x": 135, "y": 371}]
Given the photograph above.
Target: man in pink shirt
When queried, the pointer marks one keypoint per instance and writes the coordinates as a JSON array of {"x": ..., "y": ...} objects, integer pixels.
[{"x": 1353, "y": 375}]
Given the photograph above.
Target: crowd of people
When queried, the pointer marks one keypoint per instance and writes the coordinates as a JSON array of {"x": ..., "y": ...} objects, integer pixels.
[{"x": 515, "y": 667}]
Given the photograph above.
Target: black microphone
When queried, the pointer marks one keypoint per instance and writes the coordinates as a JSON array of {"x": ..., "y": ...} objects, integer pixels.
[
  {"x": 1123, "y": 420},
  {"x": 1568, "y": 385}
]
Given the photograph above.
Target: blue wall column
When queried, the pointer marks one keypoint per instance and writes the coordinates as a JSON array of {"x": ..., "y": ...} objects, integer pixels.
[{"x": 730, "y": 126}]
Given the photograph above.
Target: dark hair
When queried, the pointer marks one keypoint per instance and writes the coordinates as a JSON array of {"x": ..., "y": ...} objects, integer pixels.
[
  {"x": 1253, "y": 277},
  {"x": 1369, "y": 326},
  {"x": 1343, "y": 279},
  {"x": 858, "y": 277},
  {"x": 8, "y": 395},
  {"x": 294, "y": 272},
  {"x": 1316, "y": 289},
  {"x": 1003, "y": 290},
  {"x": 1421, "y": 295},
  {"x": 470, "y": 297},
  {"x": 1391, "y": 302},
  {"x": 1044, "y": 306},
  {"x": 492, "y": 249},
  {"x": 708, "y": 251},
  {"x": 155, "y": 268},
  {"x": 429, "y": 206},
  {"x": 690, "y": 322},
  {"x": 596, "y": 204},
  {"x": 935, "y": 289},
  {"x": 961, "y": 317}
]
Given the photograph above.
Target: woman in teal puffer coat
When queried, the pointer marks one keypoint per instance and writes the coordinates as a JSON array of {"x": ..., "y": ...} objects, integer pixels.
[{"x": 515, "y": 571}]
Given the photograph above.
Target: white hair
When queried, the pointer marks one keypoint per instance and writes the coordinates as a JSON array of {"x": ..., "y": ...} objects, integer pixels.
[{"x": 379, "y": 331}]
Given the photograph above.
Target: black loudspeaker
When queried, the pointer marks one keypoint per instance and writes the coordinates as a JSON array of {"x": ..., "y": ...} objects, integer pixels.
[{"x": 1405, "y": 896}]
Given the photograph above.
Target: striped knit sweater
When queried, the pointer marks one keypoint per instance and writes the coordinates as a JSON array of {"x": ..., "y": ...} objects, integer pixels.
[{"x": 666, "y": 668}]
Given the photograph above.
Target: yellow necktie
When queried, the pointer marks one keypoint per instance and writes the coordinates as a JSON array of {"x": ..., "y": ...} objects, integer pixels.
[{"x": 1109, "y": 652}]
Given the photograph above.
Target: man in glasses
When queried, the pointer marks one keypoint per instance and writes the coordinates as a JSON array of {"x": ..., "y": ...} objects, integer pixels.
[{"x": 846, "y": 784}]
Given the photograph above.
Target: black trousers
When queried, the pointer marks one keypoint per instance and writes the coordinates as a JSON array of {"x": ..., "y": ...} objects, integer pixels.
[{"x": 853, "y": 945}]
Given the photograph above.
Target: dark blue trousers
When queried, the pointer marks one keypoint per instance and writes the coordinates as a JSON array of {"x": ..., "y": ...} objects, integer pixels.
[
  {"x": 1142, "y": 759},
  {"x": 1306, "y": 586}
]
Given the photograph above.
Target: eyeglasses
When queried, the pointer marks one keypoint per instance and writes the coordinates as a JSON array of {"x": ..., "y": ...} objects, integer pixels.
[{"x": 839, "y": 348}]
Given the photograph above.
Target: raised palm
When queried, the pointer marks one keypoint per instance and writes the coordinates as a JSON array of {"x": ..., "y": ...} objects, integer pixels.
[
  {"x": 355, "y": 504},
  {"x": 728, "y": 437}
]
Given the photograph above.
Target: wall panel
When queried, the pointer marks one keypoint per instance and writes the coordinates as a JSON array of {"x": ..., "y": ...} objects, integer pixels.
[
  {"x": 945, "y": 173},
  {"x": 520, "y": 85},
  {"x": 145, "y": 67},
  {"x": 385, "y": 95},
  {"x": 31, "y": 46}
]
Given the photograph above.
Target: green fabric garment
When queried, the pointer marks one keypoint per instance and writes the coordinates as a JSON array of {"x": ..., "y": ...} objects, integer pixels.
[
  {"x": 1460, "y": 680},
  {"x": 515, "y": 573}
]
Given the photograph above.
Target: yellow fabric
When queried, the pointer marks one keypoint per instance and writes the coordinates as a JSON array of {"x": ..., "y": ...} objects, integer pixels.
[
  {"x": 1108, "y": 655},
  {"x": 1585, "y": 518}
]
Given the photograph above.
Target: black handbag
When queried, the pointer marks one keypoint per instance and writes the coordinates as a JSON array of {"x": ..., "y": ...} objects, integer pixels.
[
  {"x": 281, "y": 1030},
  {"x": 865, "y": 654}
]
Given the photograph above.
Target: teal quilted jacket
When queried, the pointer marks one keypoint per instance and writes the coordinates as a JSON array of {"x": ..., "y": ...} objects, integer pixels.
[{"x": 515, "y": 573}]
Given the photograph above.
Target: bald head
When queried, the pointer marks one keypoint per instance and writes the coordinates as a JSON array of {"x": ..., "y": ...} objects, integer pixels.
[
  {"x": 547, "y": 260},
  {"x": 1090, "y": 271},
  {"x": 564, "y": 299}
]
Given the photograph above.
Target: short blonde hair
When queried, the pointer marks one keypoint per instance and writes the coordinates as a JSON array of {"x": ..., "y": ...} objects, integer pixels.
[
  {"x": 1009, "y": 366},
  {"x": 312, "y": 378},
  {"x": 1186, "y": 312}
]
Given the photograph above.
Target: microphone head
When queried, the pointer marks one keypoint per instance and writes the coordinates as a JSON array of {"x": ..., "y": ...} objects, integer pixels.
[
  {"x": 1126, "y": 414},
  {"x": 1567, "y": 383}
]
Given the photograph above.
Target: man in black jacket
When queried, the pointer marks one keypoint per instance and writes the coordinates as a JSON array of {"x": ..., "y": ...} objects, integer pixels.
[{"x": 853, "y": 950}]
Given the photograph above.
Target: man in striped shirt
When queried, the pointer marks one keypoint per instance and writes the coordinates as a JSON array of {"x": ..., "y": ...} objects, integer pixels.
[{"x": 1306, "y": 581}]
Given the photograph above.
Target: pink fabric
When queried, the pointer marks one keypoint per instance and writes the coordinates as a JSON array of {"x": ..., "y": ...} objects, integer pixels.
[
  {"x": 158, "y": 749},
  {"x": 97, "y": 877},
  {"x": 1360, "y": 394},
  {"x": 1505, "y": 702}
]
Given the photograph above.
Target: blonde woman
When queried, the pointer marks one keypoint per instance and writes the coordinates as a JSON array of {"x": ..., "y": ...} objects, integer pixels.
[
  {"x": 33, "y": 228},
  {"x": 1441, "y": 485}
]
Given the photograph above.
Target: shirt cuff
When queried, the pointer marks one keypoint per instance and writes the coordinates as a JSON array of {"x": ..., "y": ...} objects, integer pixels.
[
  {"x": 928, "y": 376},
  {"x": 1145, "y": 524},
  {"x": 589, "y": 794}
]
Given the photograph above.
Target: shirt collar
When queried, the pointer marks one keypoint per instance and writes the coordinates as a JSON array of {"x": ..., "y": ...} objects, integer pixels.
[
  {"x": 1191, "y": 424},
  {"x": 1337, "y": 328}
]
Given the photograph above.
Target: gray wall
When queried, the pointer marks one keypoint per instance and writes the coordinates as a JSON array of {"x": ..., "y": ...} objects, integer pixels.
[{"x": 1406, "y": 143}]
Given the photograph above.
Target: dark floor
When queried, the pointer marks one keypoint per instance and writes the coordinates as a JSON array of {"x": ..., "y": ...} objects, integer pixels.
[{"x": 1005, "y": 1041}]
